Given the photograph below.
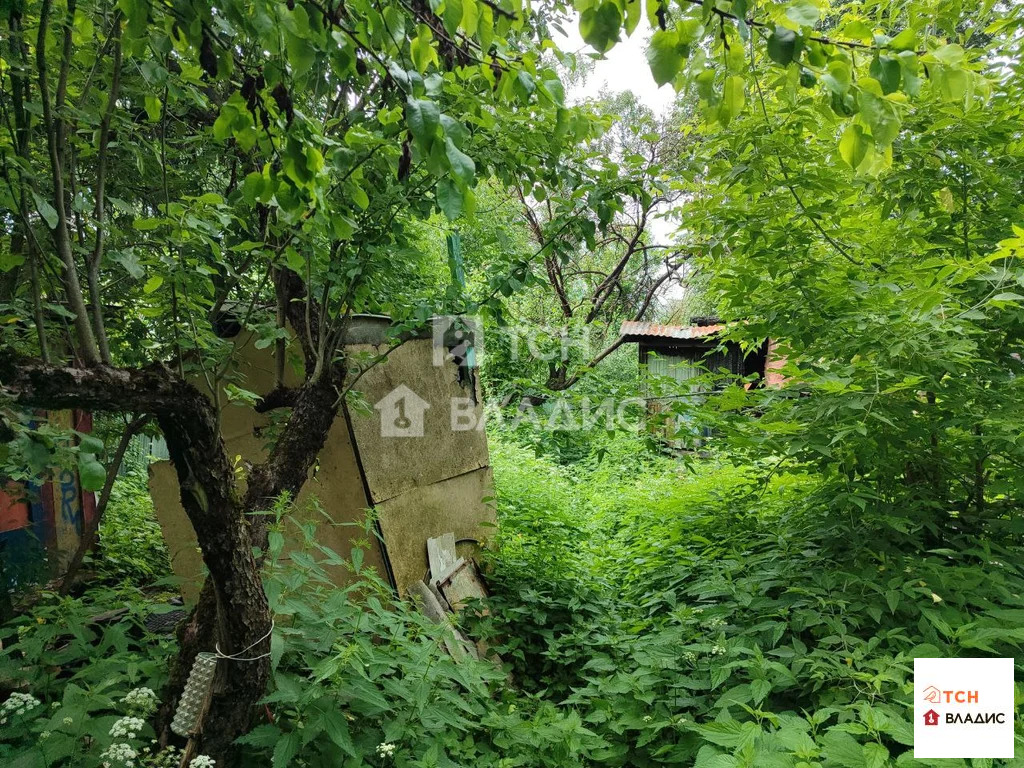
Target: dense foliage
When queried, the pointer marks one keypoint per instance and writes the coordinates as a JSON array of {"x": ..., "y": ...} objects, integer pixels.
[
  {"x": 714, "y": 620},
  {"x": 847, "y": 181}
]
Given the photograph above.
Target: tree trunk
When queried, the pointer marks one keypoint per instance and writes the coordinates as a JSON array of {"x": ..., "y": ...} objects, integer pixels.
[{"x": 232, "y": 611}]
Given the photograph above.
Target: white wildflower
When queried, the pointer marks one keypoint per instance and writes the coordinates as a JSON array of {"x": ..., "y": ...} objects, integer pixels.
[
  {"x": 18, "y": 704},
  {"x": 717, "y": 650},
  {"x": 119, "y": 754},
  {"x": 127, "y": 727},
  {"x": 689, "y": 656},
  {"x": 68, "y": 721},
  {"x": 714, "y": 623},
  {"x": 385, "y": 749},
  {"x": 140, "y": 700},
  {"x": 648, "y": 718},
  {"x": 202, "y": 761}
]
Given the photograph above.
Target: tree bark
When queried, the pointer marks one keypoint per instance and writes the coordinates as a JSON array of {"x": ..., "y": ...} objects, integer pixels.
[
  {"x": 209, "y": 497},
  {"x": 232, "y": 609}
]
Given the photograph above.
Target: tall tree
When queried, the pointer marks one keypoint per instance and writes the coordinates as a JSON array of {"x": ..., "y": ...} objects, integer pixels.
[
  {"x": 165, "y": 168},
  {"x": 607, "y": 246}
]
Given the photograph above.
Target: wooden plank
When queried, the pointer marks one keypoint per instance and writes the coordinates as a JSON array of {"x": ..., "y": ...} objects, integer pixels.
[
  {"x": 461, "y": 583},
  {"x": 456, "y": 644},
  {"x": 441, "y": 554}
]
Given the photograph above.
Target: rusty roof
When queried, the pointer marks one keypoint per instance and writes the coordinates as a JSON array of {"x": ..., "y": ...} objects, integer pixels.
[{"x": 635, "y": 328}]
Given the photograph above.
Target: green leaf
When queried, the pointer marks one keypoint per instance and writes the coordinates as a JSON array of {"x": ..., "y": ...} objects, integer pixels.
[
  {"x": 951, "y": 83},
  {"x": 90, "y": 472},
  {"x": 449, "y": 198},
  {"x": 286, "y": 749},
  {"x": 886, "y": 70},
  {"x": 359, "y": 197},
  {"x": 875, "y": 755},
  {"x": 421, "y": 49},
  {"x": 853, "y": 146},
  {"x": 881, "y": 116},
  {"x": 461, "y": 164},
  {"x": 842, "y": 749},
  {"x": 452, "y": 14},
  {"x": 47, "y": 211},
  {"x": 733, "y": 97},
  {"x": 803, "y": 12},
  {"x": 423, "y": 117},
  {"x": 904, "y": 41},
  {"x": 783, "y": 45},
  {"x": 599, "y": 27},
  {"x": 154, "y": 109},
  {"x": 760, "y": 689},
  {"x": 664, "y": 57},
  {"x": 336, "y": 728},
  {"x": 90, "y": 444},
  {"x": 709, "y": 757},
  {"x": 153, "y": 283}
]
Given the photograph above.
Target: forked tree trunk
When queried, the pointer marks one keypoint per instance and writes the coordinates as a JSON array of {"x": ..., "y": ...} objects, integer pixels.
[{"x": 232, "y": 610}]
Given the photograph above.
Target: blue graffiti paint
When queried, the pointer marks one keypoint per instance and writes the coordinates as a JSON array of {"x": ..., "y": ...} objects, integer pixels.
[{"x": 70, "y": 510}]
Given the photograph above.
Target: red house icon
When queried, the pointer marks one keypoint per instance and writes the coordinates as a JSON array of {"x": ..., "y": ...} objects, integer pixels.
[{"x": 931, "y": 717}]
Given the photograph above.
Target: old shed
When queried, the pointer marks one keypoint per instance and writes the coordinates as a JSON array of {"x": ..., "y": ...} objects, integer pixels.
[{"x": 415, "y": 451}]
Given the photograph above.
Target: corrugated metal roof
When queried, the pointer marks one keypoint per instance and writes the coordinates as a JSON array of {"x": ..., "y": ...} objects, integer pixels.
[{"x": 635, "y": 328}]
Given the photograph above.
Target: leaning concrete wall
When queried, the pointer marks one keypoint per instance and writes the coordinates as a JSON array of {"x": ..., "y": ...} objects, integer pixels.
[
  {"x": 429, "y": 481},
  {"x": 335, "y": 482},
  {"x": 422, "y": 483}
]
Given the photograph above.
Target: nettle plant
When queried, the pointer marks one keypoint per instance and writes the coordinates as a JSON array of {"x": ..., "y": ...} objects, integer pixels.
[
  {"x": 721, "y": 621},
  {"x": 85, "y": 672}
]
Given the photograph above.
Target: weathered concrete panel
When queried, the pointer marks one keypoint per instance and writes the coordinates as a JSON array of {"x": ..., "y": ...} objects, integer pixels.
[
  {"x": 186, "y": 561},
  {"x": 395, "y": 464},
  {"x": 337, "y": 482},
  {"x": 337, "y": 486},
  {"x": 455, "y": 504},
  {"x": 422, "y": 486}
]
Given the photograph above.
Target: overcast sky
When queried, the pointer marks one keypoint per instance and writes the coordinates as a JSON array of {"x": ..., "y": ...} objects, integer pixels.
[{"x": 624, "y": 68}]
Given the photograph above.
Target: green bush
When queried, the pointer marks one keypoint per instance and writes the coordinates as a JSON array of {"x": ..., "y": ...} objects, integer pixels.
[
  {"x": 131, "y": 545},
  {"x": 725, "y": 622},
  {"x": 81, "y": 675}
]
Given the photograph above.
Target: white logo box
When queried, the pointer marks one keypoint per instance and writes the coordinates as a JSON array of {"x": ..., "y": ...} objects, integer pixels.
[{"x": 963, "y": 708}]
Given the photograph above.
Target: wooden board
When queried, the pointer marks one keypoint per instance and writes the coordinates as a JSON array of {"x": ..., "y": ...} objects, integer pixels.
[
  {"x": 441, "y": 554},
  {"x": 461, "y": 583},
  {"x": 454, "y": 641}
]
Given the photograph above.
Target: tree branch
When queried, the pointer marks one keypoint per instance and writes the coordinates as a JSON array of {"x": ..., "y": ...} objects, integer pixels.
[
  {"x": 96, "y": 257},
  {"x": 54, "y": 134}
]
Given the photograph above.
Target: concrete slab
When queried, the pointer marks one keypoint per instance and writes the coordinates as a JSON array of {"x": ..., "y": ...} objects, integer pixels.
[
  {"x": 455, "y": 504},
  {"x": 395, "y": 464}
]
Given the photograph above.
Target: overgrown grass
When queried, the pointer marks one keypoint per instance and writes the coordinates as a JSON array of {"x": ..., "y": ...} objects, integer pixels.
[
  {"x": 704, "y": 617},
  {"x": 650, "y": 614}
]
